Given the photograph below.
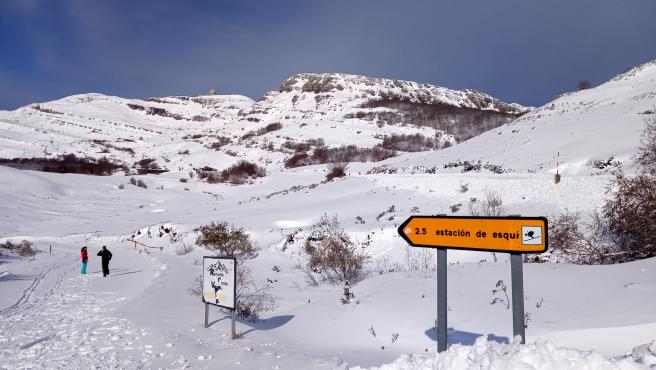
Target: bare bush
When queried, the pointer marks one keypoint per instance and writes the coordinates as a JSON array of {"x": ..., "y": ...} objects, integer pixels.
[
  {"x": 183, "y": 249},
  {"x": 646, "y": 156},
  {"x": 303, "y": 146},
  {"x": 253, "y": 298},
  {"x": 584, "y": 85},
  {"x": 419, "y": 259},
  {"x": 220, "y": 143},
  {"x": 336, "y": 170},
  {"x": 264, "y": 130},
  {"x": 241, "y": 171},
  {"x": 629, "y": 215},
  {"x": 331, "y": 253},
  {"x": 224, "y": 240},
  {"x": 410, "y": 143},
  {"x": 147, "y": 165},
  {"x": 68, "y": 163},
  {"x": 24, "y": 248},
  {"x": 568, "y": 242},
  {"x": 490, "y": 206},
  {"x": 350, "y": 153},
  {"x": 140, "y": 183},
  {"x": 237, "y": 174}
]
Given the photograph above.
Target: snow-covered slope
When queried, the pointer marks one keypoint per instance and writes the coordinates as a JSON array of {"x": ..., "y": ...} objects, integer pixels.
[
  {"x": 124, "y": 130},
  {"x": 601, "y": 123}
]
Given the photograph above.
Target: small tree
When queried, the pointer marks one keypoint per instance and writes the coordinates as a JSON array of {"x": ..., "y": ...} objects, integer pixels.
[
  {"x": 224, "y": 240},
  {"x": 584, "y": 85}
]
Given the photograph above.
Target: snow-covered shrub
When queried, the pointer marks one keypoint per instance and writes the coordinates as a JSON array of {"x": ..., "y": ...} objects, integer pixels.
[
  {"x": 603, "y": 164},
  {"x": 391, "y": 209},
  {"x": 224, "y": 240},
  {"x": 331, "y": 253},
  {"x": 348, "y": 296},
  {"x": 336, "y": 170},
  {"x": 24, "y": 248}
]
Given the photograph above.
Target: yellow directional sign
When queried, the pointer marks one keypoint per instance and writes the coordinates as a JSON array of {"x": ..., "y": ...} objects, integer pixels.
[{"x": 493, "y": 234}]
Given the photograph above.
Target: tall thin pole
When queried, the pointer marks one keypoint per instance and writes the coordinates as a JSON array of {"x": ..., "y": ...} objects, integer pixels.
[{"x": 441, "y": 301}]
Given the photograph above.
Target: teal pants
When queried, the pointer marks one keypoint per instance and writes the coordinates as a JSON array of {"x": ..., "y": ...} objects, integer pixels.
[{"x": 84, "y": 268}]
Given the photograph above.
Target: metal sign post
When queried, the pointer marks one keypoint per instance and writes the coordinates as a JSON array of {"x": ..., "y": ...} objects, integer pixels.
[
  {"x": 514, "y": 234},
  {"x": 441, "y": 300},
  {"x": 517, "y": 281},
  {"x": 234, "y": 334},
  {"x": 207, "y": 314}
]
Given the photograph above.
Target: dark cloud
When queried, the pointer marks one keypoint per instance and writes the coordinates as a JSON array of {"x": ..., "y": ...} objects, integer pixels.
[{"x": 519, "y": 51}]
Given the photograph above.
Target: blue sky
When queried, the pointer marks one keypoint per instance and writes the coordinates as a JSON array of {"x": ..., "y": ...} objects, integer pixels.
[{"x": 519, "y": 51}]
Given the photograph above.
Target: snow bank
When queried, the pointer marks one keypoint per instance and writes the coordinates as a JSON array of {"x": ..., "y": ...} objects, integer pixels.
[{"x": 484, "y": 354}]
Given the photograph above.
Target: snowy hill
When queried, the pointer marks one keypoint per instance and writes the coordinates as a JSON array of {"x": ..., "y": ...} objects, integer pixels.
[
  {"x": 351, "y": 109},
  {"x": 587, "y": 128},
  {"x": 182, "y": 133}
]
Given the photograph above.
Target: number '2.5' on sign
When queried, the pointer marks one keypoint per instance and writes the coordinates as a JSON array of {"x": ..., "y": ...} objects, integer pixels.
[{"x": 493, "y": 234}]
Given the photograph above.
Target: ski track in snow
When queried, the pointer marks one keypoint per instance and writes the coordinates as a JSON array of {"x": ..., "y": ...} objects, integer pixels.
[{"x": 75, "y": 329}]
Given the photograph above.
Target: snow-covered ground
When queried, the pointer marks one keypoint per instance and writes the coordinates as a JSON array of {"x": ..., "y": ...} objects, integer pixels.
[{"x": 145, "y": 316}]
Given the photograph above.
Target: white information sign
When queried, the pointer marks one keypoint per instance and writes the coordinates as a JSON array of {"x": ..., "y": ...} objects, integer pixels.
[{"x": 219, "y": 281}]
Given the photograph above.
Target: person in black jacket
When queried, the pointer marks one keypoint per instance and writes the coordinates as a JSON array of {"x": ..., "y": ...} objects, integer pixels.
[{"x": 105, "y": 255}]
